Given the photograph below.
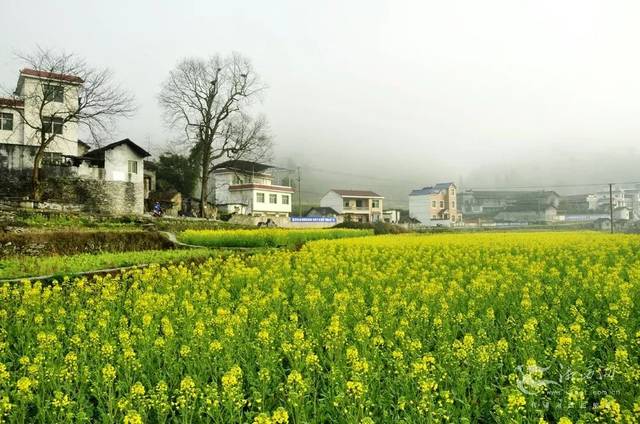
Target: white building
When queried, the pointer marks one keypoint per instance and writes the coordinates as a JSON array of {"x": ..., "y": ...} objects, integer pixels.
[
  {"x": 435, "y": 206},
  {"x": 391, "y": 216},
  {"x": 246, "y": 188},
  {"x": 119, "y": 166},
  {"x": 354, "y": 205},
  {"x": 19, "y": 142}
]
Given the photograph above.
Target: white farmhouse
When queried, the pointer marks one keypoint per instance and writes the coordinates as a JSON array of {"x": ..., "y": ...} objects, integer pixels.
[
  {"x": 19, "y": 142},
  {"x": 354, "y": 205},
  {"x": 113, "y": 173},
  {"x": 246, "y": 188}
]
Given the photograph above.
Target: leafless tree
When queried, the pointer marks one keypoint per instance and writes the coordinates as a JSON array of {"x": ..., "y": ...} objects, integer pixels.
[
  {"x": 210, "y": 101},
  {"x": 49, "y": 107}
]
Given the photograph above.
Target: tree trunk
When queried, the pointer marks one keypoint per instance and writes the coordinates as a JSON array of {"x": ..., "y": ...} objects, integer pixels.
[
  {"x": 36, "y": 185},
  {"x": 204, "y": 184}
]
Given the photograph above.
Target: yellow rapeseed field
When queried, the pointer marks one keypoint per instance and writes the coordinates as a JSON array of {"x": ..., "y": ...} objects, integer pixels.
[{"x": 461, "y": 328}]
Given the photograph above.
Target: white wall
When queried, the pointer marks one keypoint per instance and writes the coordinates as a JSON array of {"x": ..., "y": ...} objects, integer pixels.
[
  {"x": 332, "y": 200},
  {"x": 116, "y": 166},
  {"x": 265, "y": 206},
  {"x": 32, "y": 90},
  {"x": 16, "y": 136},
  {"x": 420, "y": 207}
]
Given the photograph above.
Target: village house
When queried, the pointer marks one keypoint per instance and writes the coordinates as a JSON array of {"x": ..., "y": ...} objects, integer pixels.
[
  {"x": 509, "y": 205},
  {"x": 435, "y": 206},
  {"x": 391, "y": 216},
  {"x": 354, "y": 205},
  {"x": 246, "y": 188},
  {"x": 111, "y": 176}
]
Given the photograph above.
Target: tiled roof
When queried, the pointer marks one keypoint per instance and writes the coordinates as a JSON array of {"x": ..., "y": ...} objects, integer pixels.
[
  {"x": 99, "y": 153},
  {"x": 9, "y": 102},
  {"x": 431, "y": 190},
  {"x": 356, "y": 193},
  {"x": 51, "y": 75},
  {"x": 322, "y": 211}
]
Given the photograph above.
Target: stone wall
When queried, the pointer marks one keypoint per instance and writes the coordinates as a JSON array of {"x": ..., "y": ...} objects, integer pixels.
[{"x": 94, "y": 196}]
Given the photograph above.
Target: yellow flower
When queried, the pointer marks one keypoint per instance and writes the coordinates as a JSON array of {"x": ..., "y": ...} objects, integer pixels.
[
  {"x": 108, "y": 373},
  {"x": 25, "y": 385},
  {"x": 133, "y": 417},
  {"x": 280, "y": 416}
]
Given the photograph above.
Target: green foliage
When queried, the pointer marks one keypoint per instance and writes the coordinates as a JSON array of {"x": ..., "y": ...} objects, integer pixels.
[
  {"x": 176, "y": 172},
  {"x": 61, "y": 265},
  {"x": 265, "y": 237}
]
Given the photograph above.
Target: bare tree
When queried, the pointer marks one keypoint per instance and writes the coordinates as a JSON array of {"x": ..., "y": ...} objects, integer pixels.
[
  {"x": 66, "y": 91},
  {"x": 210, "y": 101}
]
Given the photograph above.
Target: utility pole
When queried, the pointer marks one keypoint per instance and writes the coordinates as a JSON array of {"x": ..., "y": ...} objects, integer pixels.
[
  {"x": 611, "y": 205},
  {"x": 299, "y": 195}
]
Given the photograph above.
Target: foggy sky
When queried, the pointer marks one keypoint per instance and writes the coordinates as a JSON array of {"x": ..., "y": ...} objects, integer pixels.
[{"x": 407, "y": 92}]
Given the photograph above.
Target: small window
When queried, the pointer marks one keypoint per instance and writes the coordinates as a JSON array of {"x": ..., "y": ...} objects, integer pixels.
[
  {"x": 273, "y": 198},
  {"x": 133, "y": 167},
  {"x": 453, "y": 204},
  {"x": 433, "y": 203},
  {"x": 375, "y": 203},
  {"x": 51, "y": 125},
  {"x": 346, "y": 204},
  {"x": 6, "y": 121},
  {"x": 52, "y": 158},
  {"x": 359, "y": 203},
  {"x": 285, "y": 199},
  {"x": 260, "y": 197},
  {"x": 54, "y": 93},
  {"x": 442, "y": 203}
]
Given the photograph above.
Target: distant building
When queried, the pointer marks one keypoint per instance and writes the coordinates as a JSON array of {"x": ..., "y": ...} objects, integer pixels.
[
  {"x": 392, "y": 216},
  {"x": 509, "y": 205},
  {"x": 527, "y": 212},
  {"x": 246, "y": 188},
  {"x": 435, "y": 206},
  {"x": 321, "y": 211},
  {"x": 354, "y": 205}
]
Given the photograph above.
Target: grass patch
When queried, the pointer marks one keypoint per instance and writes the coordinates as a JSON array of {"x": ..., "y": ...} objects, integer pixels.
[
  {"x": 64, "y": 265},
  {"x": 265, "y": 237}
]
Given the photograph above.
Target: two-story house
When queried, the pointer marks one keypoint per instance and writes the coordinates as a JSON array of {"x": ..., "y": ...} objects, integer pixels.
[
  {"x": 18, "y": 141},
  {"x": 118, "y": 167},
  {"x": 354, "y": 205},
  {"x": 246, "y": 188},
  {"x": 435, "y": 206}
]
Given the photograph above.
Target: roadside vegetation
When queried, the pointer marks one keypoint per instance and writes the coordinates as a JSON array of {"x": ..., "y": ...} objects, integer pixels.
[
  {"x": 29, "y": 266},
  {"x": 265, "y": 237}
]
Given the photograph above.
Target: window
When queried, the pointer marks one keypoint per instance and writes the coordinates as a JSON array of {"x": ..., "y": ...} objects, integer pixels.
[
  {"x": 52, "y": 158},
  {"x": 285, "y": 199},
  {"x": 453, "y": 204},
  {"x": 375, "y": 203},
  {"x": 6, "y": 121},
  {"x": 359, "y": 203},
  {"x": 54, "y": 93},
  {"x": 433, "y": 203},
  {"x": 442, "y": 203},
  {"x": 347, "y": 204},
  {"x": 273, "y": 198},
  {"x": 133, "y": 166},
  {"x": 260, "y": 197},
  {"x": 51, "y": 125}
]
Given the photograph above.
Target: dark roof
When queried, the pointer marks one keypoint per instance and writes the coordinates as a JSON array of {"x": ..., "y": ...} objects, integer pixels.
[
  {"x": 52, "y": 75},
  {"x": 244, "y": 165},
  {"x": 322, "y": 211},
  {"x": 99, "y": 153},
  {"x": 525, "y": 206},
  {"x": 431, "y": 190},
  {"x": 356, "y": 193},
  {"x": 510, "y": 194},
  {"x": 9, "y": 102}
]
